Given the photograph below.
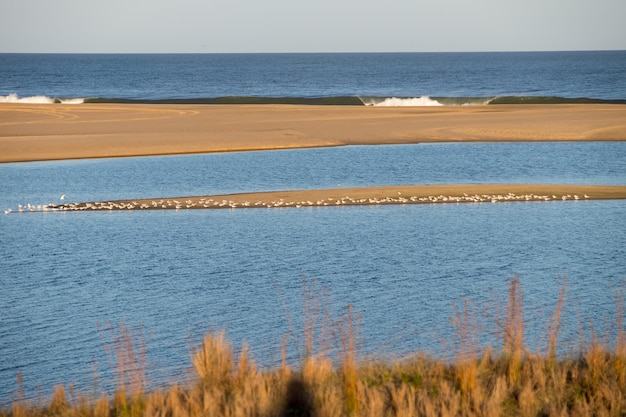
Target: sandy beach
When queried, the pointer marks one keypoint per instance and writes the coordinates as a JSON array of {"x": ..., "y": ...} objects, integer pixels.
[{"x": 35, "y": 132}]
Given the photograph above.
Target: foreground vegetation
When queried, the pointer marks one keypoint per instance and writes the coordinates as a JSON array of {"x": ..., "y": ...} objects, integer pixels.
[{"x": 480, "y": 381}]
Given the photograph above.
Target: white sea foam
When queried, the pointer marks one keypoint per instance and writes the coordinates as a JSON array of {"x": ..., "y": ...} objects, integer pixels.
[
  {"x": 14, "y": 98},
  {"x": 72, "y": 100},
  {"x": 407, "y": 102}
]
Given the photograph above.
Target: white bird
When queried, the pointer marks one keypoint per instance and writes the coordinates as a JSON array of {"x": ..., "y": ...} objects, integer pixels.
[{"x": 62, "y": 197}]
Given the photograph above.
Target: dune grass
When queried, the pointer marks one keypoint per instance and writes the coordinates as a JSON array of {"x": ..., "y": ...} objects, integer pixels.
[{"x": 330, "y": 381}]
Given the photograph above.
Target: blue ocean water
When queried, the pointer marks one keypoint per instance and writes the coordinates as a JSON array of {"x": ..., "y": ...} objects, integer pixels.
[
  {"x": 449, "y": 78},
  {"x": 181, "y": 274}
]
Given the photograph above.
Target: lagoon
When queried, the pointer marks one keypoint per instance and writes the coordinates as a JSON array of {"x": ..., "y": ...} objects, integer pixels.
[{"x": 181, "y": 274}]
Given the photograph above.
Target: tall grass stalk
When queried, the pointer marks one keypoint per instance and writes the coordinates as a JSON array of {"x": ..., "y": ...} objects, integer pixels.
[
  {"x": 513, "y": 330},
  {"x": 314, "y": 339},
  {"x": 555, "y": 322},
  {"x": 620, "y": 345},
  {"x": 347, "y": 331},
  {"x": 127, "y": 351},
  {"x": 467, "y": 347}
]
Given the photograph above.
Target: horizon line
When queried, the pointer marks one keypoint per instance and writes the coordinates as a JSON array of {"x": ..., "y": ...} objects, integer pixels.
[{"x": 308, "y": 52}]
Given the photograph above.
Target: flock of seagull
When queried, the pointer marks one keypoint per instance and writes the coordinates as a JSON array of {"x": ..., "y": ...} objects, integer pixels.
[{"x": 210, "y": 203}]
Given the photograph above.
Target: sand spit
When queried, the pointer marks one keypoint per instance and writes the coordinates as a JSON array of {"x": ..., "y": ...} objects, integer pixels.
[
  {"x": 410, "y": 194},
  {"x": 31, "y": 132}
]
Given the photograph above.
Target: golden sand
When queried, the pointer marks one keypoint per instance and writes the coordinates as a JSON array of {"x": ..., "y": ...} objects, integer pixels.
[{"x": 31, "y": 132}]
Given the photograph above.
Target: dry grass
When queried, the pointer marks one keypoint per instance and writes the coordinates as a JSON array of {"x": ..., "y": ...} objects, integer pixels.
[{"x": 478, "y": 382}]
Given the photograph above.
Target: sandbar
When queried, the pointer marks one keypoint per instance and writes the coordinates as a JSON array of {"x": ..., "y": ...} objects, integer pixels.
[
  {"x": 38, "y": 132},
  {"x": 377, "y": 195}
]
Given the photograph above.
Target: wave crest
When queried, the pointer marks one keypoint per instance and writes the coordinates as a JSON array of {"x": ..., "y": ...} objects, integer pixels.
[
  {"x": 14, "y": 98},
  {"x": 401, "y": 102}
]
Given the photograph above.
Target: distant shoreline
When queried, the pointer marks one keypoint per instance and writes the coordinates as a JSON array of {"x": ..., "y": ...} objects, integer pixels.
[{"x": 35, "y": 132}]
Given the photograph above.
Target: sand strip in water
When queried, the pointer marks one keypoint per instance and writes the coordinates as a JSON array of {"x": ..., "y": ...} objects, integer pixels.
[
  {"x": 405, "y": 194},
  {"x": 31, "y": 132}
]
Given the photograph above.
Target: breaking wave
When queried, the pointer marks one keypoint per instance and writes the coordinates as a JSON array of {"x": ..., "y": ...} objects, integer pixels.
[
  {"x": 402, "y": 102},
  {"x": 14, "y": 98},
  {"x": 321, "y": 101},
  {"x": 479, "y": 101}
]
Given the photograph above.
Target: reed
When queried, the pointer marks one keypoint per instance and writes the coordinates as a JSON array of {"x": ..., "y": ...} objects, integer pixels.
[
  {"x": 127, "y": 351},
  {"x": 479, "y": 381},
  {"x": 347, "y": 331},
  {"x": 513, "y": 331}
]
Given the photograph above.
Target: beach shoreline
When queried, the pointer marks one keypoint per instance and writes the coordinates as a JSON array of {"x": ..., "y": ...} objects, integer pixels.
[{"x": 41, "y": 132}]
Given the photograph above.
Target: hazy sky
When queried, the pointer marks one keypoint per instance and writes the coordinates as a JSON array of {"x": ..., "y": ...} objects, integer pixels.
[{"x": 310, "y": 25}]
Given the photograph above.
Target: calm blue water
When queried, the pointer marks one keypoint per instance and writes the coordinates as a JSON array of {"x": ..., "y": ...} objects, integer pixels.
[
  {"x": 181, "y": 274},
  {"x": 446, "y": 76},
  {"x": 352, "y": 166}
]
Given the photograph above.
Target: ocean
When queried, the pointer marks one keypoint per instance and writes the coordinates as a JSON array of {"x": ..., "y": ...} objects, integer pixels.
[
  {"x": 338, "y": 78},
  {"x": 180, "y": 274}
]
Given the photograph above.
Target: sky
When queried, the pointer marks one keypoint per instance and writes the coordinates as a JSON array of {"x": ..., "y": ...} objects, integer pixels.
[{"x": 181, "y": 26}]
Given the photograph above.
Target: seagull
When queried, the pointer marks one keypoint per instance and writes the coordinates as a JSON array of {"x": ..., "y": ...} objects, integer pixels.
[{"x": 62, "y": 197}]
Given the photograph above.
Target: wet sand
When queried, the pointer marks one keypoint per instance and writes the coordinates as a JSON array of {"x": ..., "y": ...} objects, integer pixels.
[{"x": 35, "y": 132}]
